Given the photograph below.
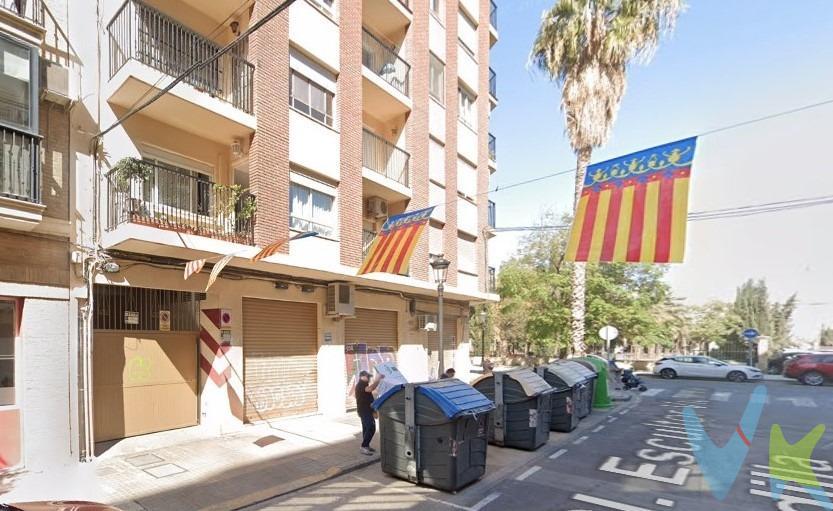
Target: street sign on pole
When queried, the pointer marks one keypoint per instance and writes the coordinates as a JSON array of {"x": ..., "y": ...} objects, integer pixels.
[
  {"x": 608, "y": 333},
  {"x": 750, "y": 333}
]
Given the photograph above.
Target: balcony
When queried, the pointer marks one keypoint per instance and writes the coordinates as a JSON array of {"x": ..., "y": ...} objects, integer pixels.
[
  {"x": 148, "y": 46},
  {"x": 492, "y": 215},
  {"x": 387, "y": 18},
  {"x": 20, "y": 179},
  {"x": 386, "y": 84},
  {"x": 186, "y": 202},
  {"x": 492, "y": 283},
  {"x": 386, "y": 167},
  {"x": 367, "y": 239},
  {"x": 492, "y": 148},
  {"x": 29, "y": 10},
  {"x": 492, "y": 87},
  {"x": 492, "y": 23}
]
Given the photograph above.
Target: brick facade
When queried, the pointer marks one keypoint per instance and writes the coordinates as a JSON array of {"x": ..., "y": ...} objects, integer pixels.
[
  {"x": 451, "y": 113},
  {"x": 483, "y": 109},
  {"x": 418, "y": 128},
  {"x": 350, "y": 119},
  {"x": 269, "y": 153}
]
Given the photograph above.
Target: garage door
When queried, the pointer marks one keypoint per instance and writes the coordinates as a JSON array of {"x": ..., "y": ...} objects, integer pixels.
[
  {"x": 280, "y": 342},
  {"x": 450, "y": 337},
  {"x": 143, "y": 383},
  {"x": 370, "y": 338}
]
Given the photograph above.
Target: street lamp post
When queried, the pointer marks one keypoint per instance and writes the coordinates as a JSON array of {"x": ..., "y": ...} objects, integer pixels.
[
  {"x": 483, "y": 315},
  {"x": 440, "y": 265}
]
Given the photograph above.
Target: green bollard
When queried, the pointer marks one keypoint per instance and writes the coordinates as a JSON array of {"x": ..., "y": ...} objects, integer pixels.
[{"x": 601, "y": 396}]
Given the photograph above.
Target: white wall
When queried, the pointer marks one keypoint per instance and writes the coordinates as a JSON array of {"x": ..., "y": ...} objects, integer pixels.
[
  {"x": 467, "y": 68},
  {"x": 466, "y": 216},
  {"x": 466, "y": 178},
  {"x": 314, "y": 146},
  {"x": 436, "y": 196},
  {"x": 315, "y": 33},
  {"x": 466, "y": 142},
  {"x": 436, "y": 119},
  {"x": 436, "y": 243},
  {"x": 466, "y": 255},
  {"x": 436, "y": 38},
  {"x": 436, "y": 161}
]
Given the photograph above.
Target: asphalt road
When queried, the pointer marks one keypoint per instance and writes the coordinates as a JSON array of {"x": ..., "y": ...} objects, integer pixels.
[{"x": 632, "y": 458}]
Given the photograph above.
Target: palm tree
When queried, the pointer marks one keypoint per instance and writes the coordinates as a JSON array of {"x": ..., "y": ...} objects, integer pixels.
[{"x": 586, "y": 46}]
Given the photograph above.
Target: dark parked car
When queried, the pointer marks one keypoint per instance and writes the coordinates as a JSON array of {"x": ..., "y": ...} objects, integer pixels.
[{"x": 811, "y": 369}]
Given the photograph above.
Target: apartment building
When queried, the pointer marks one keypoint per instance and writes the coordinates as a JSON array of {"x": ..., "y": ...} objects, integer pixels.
[{"x": 331, "y": 117}]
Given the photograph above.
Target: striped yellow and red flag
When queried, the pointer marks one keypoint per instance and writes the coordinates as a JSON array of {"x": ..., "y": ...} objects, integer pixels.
[
  {"x": 390, "y": 251},
  {"x": 634, "y": 208},
  {"x": 272, "y": 248}
]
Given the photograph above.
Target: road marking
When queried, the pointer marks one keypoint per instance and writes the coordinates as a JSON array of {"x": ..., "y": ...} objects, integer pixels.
[
  {"x": 612, "y": 419},
  {"x": 485, "y": 502},
  {"x": 557, "y": 454},
  {"x": 665, "y": 502},
  {"x": 581, "y": 439},
  {"x": 653, "y": 392},
  {"x": 598, "y": 428},
  {"x": 607, "y": 503},
  {"x": 721, "y": 396},
  {"x": 407, "y": 492},
  {"x": 687, "y": 394},
  {"x": 806, "y": 402},
  {"x": 623, "y": 412},
  {"x": 528, "y": 473},
  {"x": 791, "y": 471},
  {"x": 795, "y": 479}
]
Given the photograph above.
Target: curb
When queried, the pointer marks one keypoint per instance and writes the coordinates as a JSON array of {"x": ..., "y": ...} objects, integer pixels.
[{"x": 290, "y": 487}]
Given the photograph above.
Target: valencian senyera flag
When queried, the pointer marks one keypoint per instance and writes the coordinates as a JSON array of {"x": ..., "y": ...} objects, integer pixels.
[
  {"x": 390, "y": 251},
  {"x": 634, "y": 208}
]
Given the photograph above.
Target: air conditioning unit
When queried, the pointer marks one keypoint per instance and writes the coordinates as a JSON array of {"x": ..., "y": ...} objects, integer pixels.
[
  {"x": 377, "y": 207},
  {"x": 340, "y": 299},
  {"x": 55, "y": 80},
  {"x": 427, "y": 322}
]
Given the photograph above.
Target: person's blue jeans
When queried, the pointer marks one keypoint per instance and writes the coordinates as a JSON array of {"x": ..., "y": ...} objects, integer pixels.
[{"x": 368, "y": 428}]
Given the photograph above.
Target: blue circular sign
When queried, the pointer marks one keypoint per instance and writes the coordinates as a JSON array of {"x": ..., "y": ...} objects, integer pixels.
[{"x": 750, "y": 333}]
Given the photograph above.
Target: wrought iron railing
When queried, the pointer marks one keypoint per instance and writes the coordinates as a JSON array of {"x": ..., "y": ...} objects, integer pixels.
[
  {"x": 492, "y": 147},
  {"x": 493, "y": 13},
  {"x": 493, "y": 83},
  {"x": 406, "y": 4},
  {"x": 492, "y": 214},
  {"x": 20, "y": 174},
  {"x": 492, "y": 280},
  {"x": 31, "y": 10},
  {"x": 385, "y": 63},
  {"x": 385, "y": 158},
  {"x": 180, "y": 200},
  {"x": 367, "y": 239},
  {"x": 140, "y": 32}
]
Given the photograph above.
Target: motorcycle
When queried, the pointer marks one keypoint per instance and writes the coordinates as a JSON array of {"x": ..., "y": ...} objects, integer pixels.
[{"x": 631, "y": 381}]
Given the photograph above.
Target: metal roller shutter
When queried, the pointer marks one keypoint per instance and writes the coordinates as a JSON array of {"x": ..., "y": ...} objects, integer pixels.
[
  {"x": 450, "y": 337},
  {"x": 378, "y": 330},
  {"x": 280, "y": 342}
]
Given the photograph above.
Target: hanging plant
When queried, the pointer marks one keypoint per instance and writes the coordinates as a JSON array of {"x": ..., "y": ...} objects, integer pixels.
[{"x": 248, "y": 208}]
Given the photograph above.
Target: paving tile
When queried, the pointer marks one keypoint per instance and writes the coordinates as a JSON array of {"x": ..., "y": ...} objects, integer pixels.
[{"x": 166, "y": 470}]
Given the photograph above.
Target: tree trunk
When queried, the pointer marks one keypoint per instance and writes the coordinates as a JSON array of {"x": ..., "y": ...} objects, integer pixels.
[{"x": 579, "y": 271}]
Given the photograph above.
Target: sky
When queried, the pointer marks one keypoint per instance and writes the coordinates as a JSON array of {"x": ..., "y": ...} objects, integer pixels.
[{"x": 727, "y": 62}]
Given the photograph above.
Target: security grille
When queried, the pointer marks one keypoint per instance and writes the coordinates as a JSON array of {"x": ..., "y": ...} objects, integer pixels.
[{"x": 136, "y": 308}]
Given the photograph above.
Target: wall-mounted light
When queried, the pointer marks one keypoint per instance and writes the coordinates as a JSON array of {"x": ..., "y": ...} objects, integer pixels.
[
  {"x": 281, "y": 285},
  {"x": 306, "y": 288},
  {"x": 237, "y": 148},
  {"x": 235, "y": 27}
]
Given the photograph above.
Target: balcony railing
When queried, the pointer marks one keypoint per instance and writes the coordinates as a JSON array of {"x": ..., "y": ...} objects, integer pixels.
[
  {"x": 492, "y": 215},
  {"x": 492, "y": 147},
  {"x": 493, "y": 13},
  {"x": 20, "y": 173},
  {"x": 385, "y": 158},
  {"x": 492, "y": 280},
  {"x": 140, "y": 32},
  {"x": 367, "y": 239},
  {"x": 493, "y": 83},
  {"x": 180, "y": 200},
  {"x": 385, "y": 63},
  {"x": 406, "y": 4},
  {"x": 31, "y": 10}
]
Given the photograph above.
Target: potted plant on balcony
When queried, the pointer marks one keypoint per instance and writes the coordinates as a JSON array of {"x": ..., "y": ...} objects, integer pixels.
[{"x": 125, "y": 173}]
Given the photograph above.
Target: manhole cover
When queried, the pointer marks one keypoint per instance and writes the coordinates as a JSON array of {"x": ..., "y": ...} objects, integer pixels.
[
  {"x": 268, "y": 440},
  {"x": 166, "y": 470},
  {"x": 142, "y": 460}
]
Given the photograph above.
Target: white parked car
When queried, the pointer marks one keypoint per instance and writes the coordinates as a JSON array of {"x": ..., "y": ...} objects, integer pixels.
[{"x": 704, "y": 367}]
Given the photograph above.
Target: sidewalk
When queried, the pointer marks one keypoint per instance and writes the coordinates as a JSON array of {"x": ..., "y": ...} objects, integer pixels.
[{"x": 189, "y": 469}]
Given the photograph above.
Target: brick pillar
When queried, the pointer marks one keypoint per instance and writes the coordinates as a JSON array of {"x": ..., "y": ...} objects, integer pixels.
[
  {"x": 451, "y": 113},
  {"x": 483, "y": 109},
  {"x": 269, "y": 153},
  {"x": 418, "y": 128},
  {"x": 350, "y": 121}
]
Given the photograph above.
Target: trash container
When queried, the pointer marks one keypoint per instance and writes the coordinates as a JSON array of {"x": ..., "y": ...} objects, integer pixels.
[
  {"x": 568, "y": 385},
  {"x": 601, "y": 395},
  {"x": 522, "y": 415},
  {"x": 585, "y": 403},
  {"x": 434, "y": 433}
]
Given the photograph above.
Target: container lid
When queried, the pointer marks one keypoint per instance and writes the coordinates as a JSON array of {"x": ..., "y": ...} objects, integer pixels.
[
  {"x": 451, "y": 395},
  {"x": 529, "y": 381},
  {"x": 582, "y": 370},
  {"x": 567, "y": 373}
]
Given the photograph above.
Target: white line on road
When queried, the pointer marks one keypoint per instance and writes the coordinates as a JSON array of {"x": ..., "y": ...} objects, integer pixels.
[
  {"x": 607, "y": 503},
  {"x": 683, "y": 394},
  {"x": 721, "y": 396},
  {"x": 665, "y": 502},
  {"x": 806, "y": 402},
  {"x": 653, "y": 392},
  {"x": 612, "y": 419},
  {"x": 598, "y": 428},
  {"x": 581, "y": 439},
  {"x": 557, "y": 454},
  {"x": 623, "y": 412},
  {"x": 528, "y": 473},
  {"x": 485, "y": 502}
]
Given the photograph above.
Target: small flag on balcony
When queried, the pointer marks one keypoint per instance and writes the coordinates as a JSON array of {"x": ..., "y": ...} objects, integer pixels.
[
  {"x": 273, "y": 248},
  {"x": 634, "y": 208},
  {"x": 390, "y": 251},
  {"x": 192, "y": 267},
  {"x": 215, "y": 272}
]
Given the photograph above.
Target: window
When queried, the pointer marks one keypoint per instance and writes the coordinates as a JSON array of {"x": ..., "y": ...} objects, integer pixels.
[
  {"x": 310, "y": 99},
  {"x": 175, "y": 187},
  {"x": 436, "y": 78},
  {"x": 18, "y": 85},
  {"x": 437, "y": 8},
  {"x": 7, "y": 338},
  {"x": 311, "y": 210},
  {"x": 467, "y": 113}
]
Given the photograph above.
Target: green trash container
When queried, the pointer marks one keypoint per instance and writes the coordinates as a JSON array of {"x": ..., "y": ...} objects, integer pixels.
[{"x": 601, "y": 397}]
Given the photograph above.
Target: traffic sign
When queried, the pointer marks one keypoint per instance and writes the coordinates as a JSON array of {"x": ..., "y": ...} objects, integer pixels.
[
  {"x": 608, "y": 333},
  {"x": 750, "y": 333}
]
